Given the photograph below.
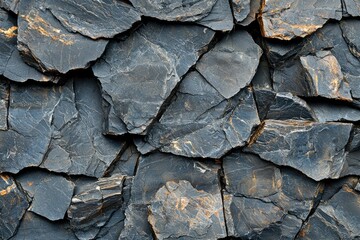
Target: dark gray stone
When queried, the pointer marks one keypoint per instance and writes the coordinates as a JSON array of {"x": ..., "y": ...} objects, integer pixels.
[
  {"x": 126, "y": 163},
  {"x": 94, "y": 19},
  {"x": 152, "y": 60},
  {"x": 337, "y": 218},
  {"x": 94, "y": 204},
  {"x": 10, "y": 5},
  {"x": 191, "y": 10},
  {"x": 264, "y": 98},
  {"x": 52, "y": 197},
  {"x": 202, "y": 123},
  {"x": 262, "y": 78},
  {"x": 220, "y": 18},
  {"x": 4, "y": 103},
  {"x": 241, "y": 9},
  {"x": 13, "y": 204},
  {"x": 46, "y": 44},
  {"x": 331, "y": 187},
  {"x": 33, "y": 226},
  {"x": 285, "y": 20},
  {"x": 334, "y": 111},
  {"x": 351, "y": 7},
  {"x": 301, "y": 145},
  {"x": 254, "y": 10},
  {"x": 352, "y": 163},
  {"x": 236, "y": 52},
  {"x": 181, "y": 211},
  {"x": 354, "y": 142},
  {"x": 350, "y": 28}
]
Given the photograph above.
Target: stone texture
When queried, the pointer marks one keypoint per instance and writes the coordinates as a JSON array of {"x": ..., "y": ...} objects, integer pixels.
[
  {"x": 236, "y": 52},
  {"x": 93, "y": 204},
  {"x": 152, "y": 60},
  {"x": 46, "y": 44},
  {"x": 351, "y": 7},
  {"x": 188, "y": 11},
  {"x": 51, "y": 197},
  {"x": 334, "y": 111},
  {"x": 10, "y": 5},
  {"x": 13, "y": 204},
  {"x": 202, "y": 123},
  {"x": 126, "y": 163},
  {"x": 220, "y": 18},
  {"x": 337, "y": 218},
  {"x": 349, "y": 29},
  {"x": 241, "y": 9},
  {"x": 299, "y": 144},
  {"x": 94, "y": 19},
  {"x": 4, "y": 103},
  {"x": 181, "y": 211},
  {"x": 285, "y": 20}
]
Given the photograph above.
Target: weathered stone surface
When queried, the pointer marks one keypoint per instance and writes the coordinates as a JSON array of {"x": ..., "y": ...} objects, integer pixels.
[
  {"x": 254, "y": 10},
  {"x": 202, "y": 123},
  {"x": 181, "y": 211},
  {"x": 220, "y": 18},
  {"x": 299, "y": 144},
  {"x": 354, "y": 142},
  {"x": 350, "y": 28},
  {"x": 325, "y": 77},
  {"x": 51, "y": 195},
  {"x": 93, "y": 204},
  {"x": 241, "y": 9},
  {"x": 236, "y": 52},
  {"x": 151, "y": 60},
  {"x": 10, "y": 5},
  {"x": 4, "y": 102},
  {"x": 337, "y": 218},
  {"x": 264, "y": 98},
  {"x": 46, "y": 44},
  {"x": 287, "y": 106},
  {"x": 34, "y": 226},
  {"x": 285, "y": 20},
  {"x": 332, "y": 187},
  {"x": 13, "y": 204},
  {"x": 351, "y": 7},
  {"x": 94, "y": 19},
  {"x": 352, "y": 163},
  {"x": 334, "y": 111},
  {"x": 126, "y": 163},
  {"x": 191, "y": 10}
]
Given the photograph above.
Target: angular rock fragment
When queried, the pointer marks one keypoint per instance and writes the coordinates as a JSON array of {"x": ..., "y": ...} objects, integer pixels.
[
  {"x": 93, "y": 204},
  {"x": 188, "y": 11},
  {"x": 180, "y": 210},
  {"x": 13, "y": 204},
  {"x": 237, "y": 52},
  {"x": 337, "y": 218},
  {"x": 251, "y": 17},
  {"x": 202, "y": 123},
  {"x": 334, "y": 112},
  {"x": 352, "y": 163},
  {"x": 10, "y": 5},
  {"x": 264, "y": 98},
  {"x": 351, "y": 7},
  {"x": 33, "y": 225},
  {"x": 301, "y": 145},
  {"x": 51, "y": 194},
  {"x": 350, "y": 28},
  {"x": 220, "y": 18},
  {"x": 285, "y": 20},
  {"x": 4, "y": 101},
  {"x": 241, "y": 9},
  {"x": 126, "y": 163},
  {"x": 46, "y": 44},
  {"x": 332, "y": 187},
  {"x": 151, "y": 60},
  {"x": 94, "y": 19},
  {"x": 325, "y": 77},
  {"x": 354, "y": 142}
]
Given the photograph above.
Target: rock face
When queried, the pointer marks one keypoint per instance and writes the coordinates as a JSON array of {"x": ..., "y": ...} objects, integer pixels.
[
  {"x": 46, "y": 44},
  {"x": 285, "y": 20},
  {"x": 180, "y": 204},
  {"x": 275, "y": 141},
  {"x": 13, "y": 204},
  {"x": 152, "y": 66}
]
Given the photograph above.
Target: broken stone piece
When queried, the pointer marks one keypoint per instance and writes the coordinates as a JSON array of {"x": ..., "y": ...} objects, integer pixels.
[
  {"x": 52, "y": 197},
  {"x": 349, "y": 29},
  {"x": 283, "y": 19},
  {"x": 13, "y": 204},
  {"x": 94, "y": 19},
  {"x": 334, "y": 112},
  {"x": 180, "y": 210},
  {"x": 189, "y": 11},
  {"x": 93, "y": 205},
  {"x": 152, "y": 60},
  {"x": 241, "y": 9},
  {"x": 220, "y": 18},
  {"x": 10, "y": 5},
  {"x": 299, "y": 144},
  {"x": 202, "y": 123},
  {"x": 47, "y": 45},
  {"x": 351, "y": 7},
  {"x": 4, "y": 101},
  {"x": 236, "y": 52}
]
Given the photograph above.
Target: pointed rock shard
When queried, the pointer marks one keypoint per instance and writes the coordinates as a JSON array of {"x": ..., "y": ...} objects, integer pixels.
[
  {"x": 94, "y": 19},
  {"x": 220, "y": 18},
  {"x": 285, "y": 19},
  {"x": 180, "y": 210},
  {"x": 152, "y": 60},
  {"x": 46, "y": 44},
  {"x": 337, "y": 218},
  {"x": 350, "y": 28},
  {"x": 241, "y": 9},
  {"x": 282, "y": 142},
  {"x": 13, "y": 204},
  {"x": 325, "y": 77},
  {"x": 352, "y": 7},
  {"x": 93, "y": 205},
  {"x": 202, "y": 123},
  {"x": 52, "y": 197},
  {"x": 235, "y": 53},
  {"x": 188, "y": 11}
]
